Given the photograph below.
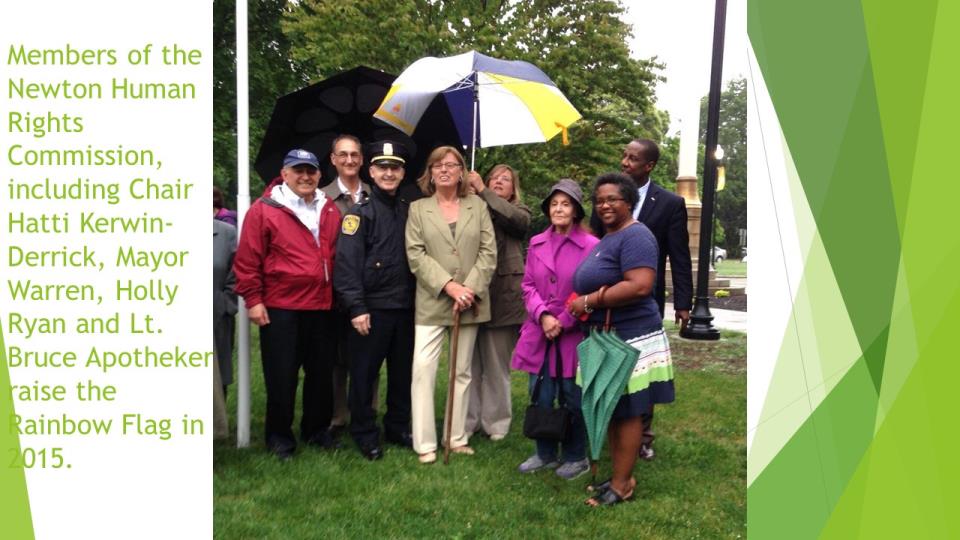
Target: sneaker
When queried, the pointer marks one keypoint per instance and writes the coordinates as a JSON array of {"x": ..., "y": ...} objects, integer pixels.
[
  {"x": 573, "y": 469},
  {"x": 646, "y": 452},
  {"x": 535, "y": 463}
]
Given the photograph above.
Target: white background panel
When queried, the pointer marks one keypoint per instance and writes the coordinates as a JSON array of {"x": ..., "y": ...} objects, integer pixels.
[{"x": 119, "y": 486}]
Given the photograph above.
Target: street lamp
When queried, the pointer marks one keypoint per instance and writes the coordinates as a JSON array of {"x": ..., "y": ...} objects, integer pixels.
[
  {"x": 701, "y": 326},
  {"x": 721, "y": 170},
  {"x": 721, "y": 178}
]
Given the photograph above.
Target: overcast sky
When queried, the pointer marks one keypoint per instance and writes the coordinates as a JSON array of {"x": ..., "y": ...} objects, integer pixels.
[{"x": 680, "y": 34}]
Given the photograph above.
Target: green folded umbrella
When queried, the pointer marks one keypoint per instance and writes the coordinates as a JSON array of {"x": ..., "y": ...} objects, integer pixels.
[
  {"x": 605, "y": 364},
  {"x": 617, "y": 386},
  {"x": 591, "y": 353}
]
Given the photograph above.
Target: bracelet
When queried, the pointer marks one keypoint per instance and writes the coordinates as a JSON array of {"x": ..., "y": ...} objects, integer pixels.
[{"x": 586, "y": 306}]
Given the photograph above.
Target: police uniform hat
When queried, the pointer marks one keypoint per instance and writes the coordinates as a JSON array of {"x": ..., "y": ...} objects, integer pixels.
[{"x": 387, "y": 154}]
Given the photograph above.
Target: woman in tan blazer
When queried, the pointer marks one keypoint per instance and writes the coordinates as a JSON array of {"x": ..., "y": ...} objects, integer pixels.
[
  {"x": 452, "y": 252},
  {"x": 490, "y": 408}
]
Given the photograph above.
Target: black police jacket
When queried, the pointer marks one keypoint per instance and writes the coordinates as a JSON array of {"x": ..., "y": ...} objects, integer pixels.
[{"x": 371, "y": 270}]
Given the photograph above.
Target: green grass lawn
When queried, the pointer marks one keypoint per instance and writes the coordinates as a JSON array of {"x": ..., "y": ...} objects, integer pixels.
[
  {"x": 695, "y": 488},
  {"x": 733, "y": 268}
]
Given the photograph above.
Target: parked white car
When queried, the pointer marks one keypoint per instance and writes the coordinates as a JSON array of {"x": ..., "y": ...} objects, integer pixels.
[{"x": 719, "y": 254}]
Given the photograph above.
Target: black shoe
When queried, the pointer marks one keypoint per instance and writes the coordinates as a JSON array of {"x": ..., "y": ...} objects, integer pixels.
[
  {"x": 325, "y": 440},
  {"x": 336, "y": 431},
  {"x": 400, "y": 439},
  {"x": 372, "y": 453},
  {"x": 283, "y": 454}
]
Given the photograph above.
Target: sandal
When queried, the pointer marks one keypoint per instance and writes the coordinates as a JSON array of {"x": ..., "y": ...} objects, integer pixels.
[
  {"x": 465, "y": 450},
  {"x": 427, "y": 458},
  {"x": 610, "y": 497},
  {"x": 599, "y": 487}
]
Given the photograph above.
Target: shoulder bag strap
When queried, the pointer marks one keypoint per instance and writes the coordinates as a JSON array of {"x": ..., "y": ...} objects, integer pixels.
[
  {"x": 558, "y": 380},
  {"x": 607, "y": 321},
  {"x": 545, "y": 368}
]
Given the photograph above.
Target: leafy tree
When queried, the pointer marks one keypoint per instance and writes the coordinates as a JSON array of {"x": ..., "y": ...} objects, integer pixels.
[
  {"x": 582, "y": 46},
  {"x": 668, "y": 167},
  {"x": 271, "y": 74},
  {"x": 731, "y": 208}
]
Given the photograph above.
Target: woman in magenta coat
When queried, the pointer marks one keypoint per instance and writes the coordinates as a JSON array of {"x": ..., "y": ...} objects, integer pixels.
[{"x": 552, "y": 258}]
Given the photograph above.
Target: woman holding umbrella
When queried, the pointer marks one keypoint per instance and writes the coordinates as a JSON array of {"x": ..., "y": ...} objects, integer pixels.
[
  {"x": 452, "y": 252},
  {"x": 624, "y": 265},
  {"x": 490, "y": 408},
  {"x": 547, "y": 282}
]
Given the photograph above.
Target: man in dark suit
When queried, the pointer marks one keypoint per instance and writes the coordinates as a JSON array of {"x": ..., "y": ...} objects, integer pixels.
[{"x": 665, "y": 214}]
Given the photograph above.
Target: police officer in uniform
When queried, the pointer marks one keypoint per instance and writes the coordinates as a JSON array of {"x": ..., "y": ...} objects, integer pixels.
[{"x": 374, "y": 284}]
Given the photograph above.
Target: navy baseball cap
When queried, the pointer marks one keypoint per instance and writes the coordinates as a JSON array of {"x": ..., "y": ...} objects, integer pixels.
[{"x": 299, "y": 156}]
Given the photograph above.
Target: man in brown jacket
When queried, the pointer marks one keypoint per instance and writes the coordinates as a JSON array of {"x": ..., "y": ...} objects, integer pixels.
[{"x": 346, "y": 190}]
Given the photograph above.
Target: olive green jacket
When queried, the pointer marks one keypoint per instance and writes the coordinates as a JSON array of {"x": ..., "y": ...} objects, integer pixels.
[
  {"x": 343, "y": 201},
  {"x": 436, "y": 257},
  {"x": 510, "y": 224}
]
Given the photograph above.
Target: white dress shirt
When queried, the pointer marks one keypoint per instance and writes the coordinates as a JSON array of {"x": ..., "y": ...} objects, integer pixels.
[
  {"x": 307, "y": 213},
  {"x": 642, "y": 191}
]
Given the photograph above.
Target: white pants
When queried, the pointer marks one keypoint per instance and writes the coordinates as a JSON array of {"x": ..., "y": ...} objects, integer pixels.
[
  {"x": 490, "y": 408},
  {"x": 426, "y": 356}
]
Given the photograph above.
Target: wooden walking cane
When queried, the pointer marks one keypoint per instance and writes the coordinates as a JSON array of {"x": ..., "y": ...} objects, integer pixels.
[{"x": 452, "y": 359}]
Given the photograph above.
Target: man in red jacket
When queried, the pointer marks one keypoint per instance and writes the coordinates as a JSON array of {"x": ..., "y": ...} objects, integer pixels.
[{"x": 284, "y": 266}]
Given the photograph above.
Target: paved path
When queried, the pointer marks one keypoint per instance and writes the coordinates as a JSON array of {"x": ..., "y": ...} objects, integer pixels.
[
  {"x": 736, "y": 281},
  {"x": 726, "y": 319}
]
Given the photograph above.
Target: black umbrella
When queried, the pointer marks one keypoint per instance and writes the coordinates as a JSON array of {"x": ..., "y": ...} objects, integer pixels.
[{"x": 311, "y": 118}]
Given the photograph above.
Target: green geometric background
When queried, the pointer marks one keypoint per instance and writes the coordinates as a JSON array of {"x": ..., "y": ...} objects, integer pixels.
[
  {"x": 15, "y": 519},
  {"x": 857, "y": 436}
]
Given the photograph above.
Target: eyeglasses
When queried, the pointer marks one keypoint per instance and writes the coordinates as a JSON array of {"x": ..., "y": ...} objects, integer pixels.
[
  {"x": 609, "y": 201},
  {"x": 344, "y": 155},
  {"x": 451, "y": 166}
]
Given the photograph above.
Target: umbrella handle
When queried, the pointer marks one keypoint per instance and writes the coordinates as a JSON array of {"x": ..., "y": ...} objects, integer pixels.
[{"x": 473, "y": 140}]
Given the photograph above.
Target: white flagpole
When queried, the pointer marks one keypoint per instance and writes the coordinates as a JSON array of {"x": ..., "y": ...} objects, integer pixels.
[{"x": 243, "y": 203}]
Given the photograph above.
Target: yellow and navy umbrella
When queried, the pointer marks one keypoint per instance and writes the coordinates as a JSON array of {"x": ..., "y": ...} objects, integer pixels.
[{"x": 492, "y": 102}]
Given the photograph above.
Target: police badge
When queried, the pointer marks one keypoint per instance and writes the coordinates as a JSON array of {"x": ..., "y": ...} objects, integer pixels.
[{"x": 350, "y": 224}]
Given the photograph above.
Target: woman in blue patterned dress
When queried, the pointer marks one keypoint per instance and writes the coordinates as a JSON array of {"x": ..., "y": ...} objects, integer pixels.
[{"x": 625, "y": 263}]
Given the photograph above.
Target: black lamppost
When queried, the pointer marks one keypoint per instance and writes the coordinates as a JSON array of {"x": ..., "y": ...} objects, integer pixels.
[{"x": 701, "y": 326}]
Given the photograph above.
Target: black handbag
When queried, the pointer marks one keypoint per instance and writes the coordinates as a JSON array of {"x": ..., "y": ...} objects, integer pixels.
[{"x": 547, "y": 422}]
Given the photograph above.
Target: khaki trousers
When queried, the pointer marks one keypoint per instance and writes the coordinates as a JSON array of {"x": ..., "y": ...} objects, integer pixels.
[
  {"x": 490, "y": 407},
  {"x": 428, "y": 341}
]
